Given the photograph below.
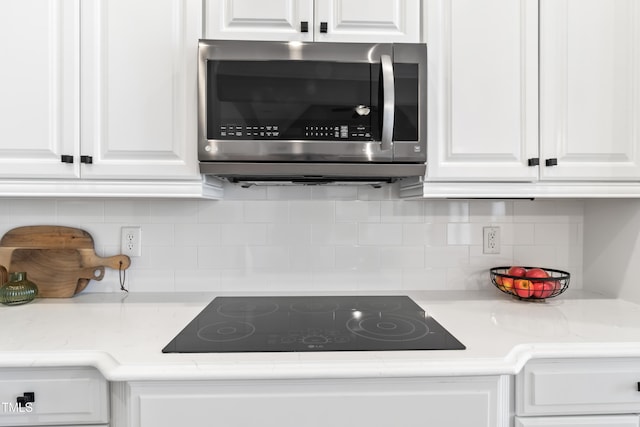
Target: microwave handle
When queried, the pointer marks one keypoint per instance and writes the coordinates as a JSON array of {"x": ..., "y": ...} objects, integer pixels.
[{"x": 388, "y": 102}]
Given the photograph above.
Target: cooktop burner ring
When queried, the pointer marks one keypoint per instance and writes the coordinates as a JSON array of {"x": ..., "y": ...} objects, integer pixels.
[
  {"x": 226, "y": 331},
  {"x": 388, "y": 327}
]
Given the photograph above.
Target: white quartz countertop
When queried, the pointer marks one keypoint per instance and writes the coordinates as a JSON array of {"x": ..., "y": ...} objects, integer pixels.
[{"x": 122, "y": 335}]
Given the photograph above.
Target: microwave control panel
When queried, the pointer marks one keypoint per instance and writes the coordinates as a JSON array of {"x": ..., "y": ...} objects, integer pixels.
[
  {"x": 343, "y": 132},
  {"x": 310, "y": 132},
  {"x": 249, "y": 132}
]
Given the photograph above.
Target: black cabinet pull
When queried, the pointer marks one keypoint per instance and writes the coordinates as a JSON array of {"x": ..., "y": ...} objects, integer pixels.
[
  {"x": 533, "y": 161},
  {"x": 65, "y": 158},
  {"x": 551, "y": 162},
  {"x": 304, "y": 27},
  {"x": 86, "y": 159},
  {"x": 323, "y": 27},
  {"x": 27, "y": 397}
]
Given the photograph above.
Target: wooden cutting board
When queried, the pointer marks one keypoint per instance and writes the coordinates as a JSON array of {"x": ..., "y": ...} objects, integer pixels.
[{"x": 60, "y": 260}]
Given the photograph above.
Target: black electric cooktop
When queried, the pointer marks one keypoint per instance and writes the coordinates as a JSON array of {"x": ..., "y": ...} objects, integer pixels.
[{"x": 312, "y": 323}]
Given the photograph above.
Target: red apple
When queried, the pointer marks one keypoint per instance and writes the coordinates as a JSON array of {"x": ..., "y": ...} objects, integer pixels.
[
  {"x": 542, "y": 289},
  {"x": 523, "y": 288},
  {"x": 538, "y": 289},
  {"x": 548, "y": 288},
  {"x": 536, "y": 273},
  {"x": 517, "y": 271},
  {"x": 507, "y": 284}
]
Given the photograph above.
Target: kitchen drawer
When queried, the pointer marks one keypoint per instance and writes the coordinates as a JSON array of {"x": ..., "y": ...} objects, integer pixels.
[
  {"x": 584, "y": 421},
  {"x": 442, "y": 401},
  {"x": 578, "y": 386},
  {"x": 62, "y": 396}
]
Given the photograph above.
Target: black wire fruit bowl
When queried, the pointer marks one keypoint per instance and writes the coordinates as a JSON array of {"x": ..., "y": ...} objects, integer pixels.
[{"x": 530, "y": 283}]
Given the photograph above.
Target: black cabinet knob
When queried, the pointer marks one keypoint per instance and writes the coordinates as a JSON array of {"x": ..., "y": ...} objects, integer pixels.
[
  {"x": 65, "y": 158},
  {"x": 533, "y": 161},
  {"x": 304, "y": 27},
  {"x": 27, "y": 397},
  {"x": 323, "y": 27},
  {"x": 86, "y": 159},
  {"x": 551, "y": 162}
]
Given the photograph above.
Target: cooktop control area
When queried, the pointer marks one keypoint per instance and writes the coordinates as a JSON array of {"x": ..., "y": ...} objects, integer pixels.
[{"x": 312, "y": 323}]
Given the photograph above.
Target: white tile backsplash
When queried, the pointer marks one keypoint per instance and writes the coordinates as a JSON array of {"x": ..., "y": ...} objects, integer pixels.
[
  {"x": 243, "y": 234},
  {"x": 360, "y": 211},
  {"x": 363, "y": 258},
  {"x": 226, "y": 212},
  {"x": 402, "y": 211},
  {"x": 31, "y": 212},
  {"x": 312, "y": 212},
  {"x": 309, "y": 239},
  {"x": 425, "y": 234},
  {"x": 266, "y": 211},
  {"x": 334, "y": 234},
  {"x": 447, "y": 211},
  {"x": 491, "y": 211},
  {"x": 379, "y": 234}
]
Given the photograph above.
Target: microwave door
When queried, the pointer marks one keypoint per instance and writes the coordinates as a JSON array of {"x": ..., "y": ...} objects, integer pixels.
[{"x": 298, "y": 110}]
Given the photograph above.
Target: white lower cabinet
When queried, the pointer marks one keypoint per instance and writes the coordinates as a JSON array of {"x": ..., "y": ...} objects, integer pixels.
[
  {"x": 451, "y": 402},
  {"x": 579, "y": 392},
  {"x": 53, "y": 396}
]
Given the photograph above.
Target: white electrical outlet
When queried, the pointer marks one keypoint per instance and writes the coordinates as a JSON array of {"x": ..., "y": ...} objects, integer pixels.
[
  {"x": 491, "y": 240},
  {"x": 131, "y": 242}
]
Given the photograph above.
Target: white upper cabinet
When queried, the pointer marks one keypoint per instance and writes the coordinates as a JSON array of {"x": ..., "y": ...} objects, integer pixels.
[
  {"x": 98, "y": 90},
  {"x": 489, "y": 78},
  {"x": 386, "y": 21},
  {"x": 590, "y": 89},
  {"x": 309, "y": 20},
  {"x": 39, "y": 106},
  {"x": 483, "y": 89},
  {"x": 259, "y": 20},
  {"x": 139, "y": 68}
]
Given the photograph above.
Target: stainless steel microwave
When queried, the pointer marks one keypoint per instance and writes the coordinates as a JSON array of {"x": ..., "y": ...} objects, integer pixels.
[{"x": 302, "y": 112}]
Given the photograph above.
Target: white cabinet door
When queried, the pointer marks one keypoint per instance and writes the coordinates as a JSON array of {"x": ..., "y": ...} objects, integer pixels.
[
  {"x": 368, "y": 20},
  {"x": 590, "y": 89},
  {"x": 61, "y": 395},
  {"x": 39, "y": 85},
  {"x": 483, "y": 89},
  {"x": 451, "y": 402},
  {"x": 259, "y": 20},
  {"x": 578, "y": 387},
  {"x": 139, "y": 68},
  {"x": 345, "y": 20}
]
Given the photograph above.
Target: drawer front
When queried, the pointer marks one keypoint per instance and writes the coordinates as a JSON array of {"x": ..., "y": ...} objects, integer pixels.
[
  {"x": 451, "y": 402},
  {"x": 64, "y": 396},
  {"x": 585, "y": 421},
  {"x": 578, "y": 386}
]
